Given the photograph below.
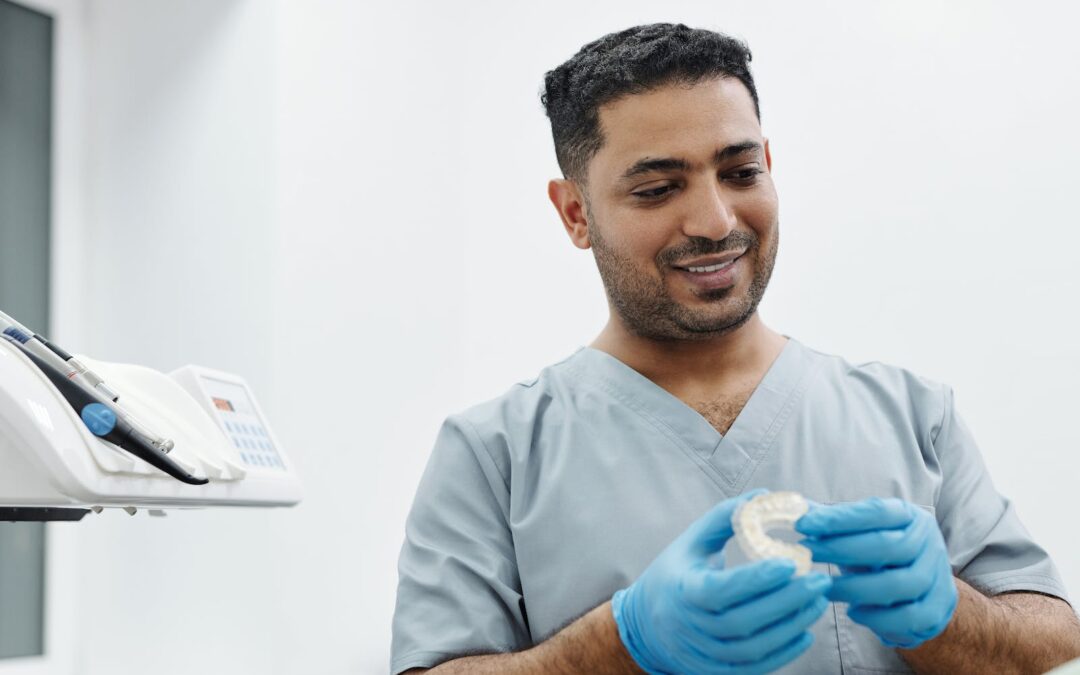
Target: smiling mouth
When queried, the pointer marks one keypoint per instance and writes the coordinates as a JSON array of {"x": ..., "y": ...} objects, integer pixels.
[
  {"x": 709, "y": 269},
  {"x": 713, "y": 277}
]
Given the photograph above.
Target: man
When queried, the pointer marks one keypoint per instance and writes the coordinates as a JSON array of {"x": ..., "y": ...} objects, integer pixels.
[{"x": 577, "y": 523}]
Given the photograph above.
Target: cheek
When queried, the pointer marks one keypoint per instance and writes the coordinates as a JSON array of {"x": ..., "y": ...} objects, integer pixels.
[
  {"x": 640, "y": 243},
  {"x": 646, "y": 251},
  {"x": 762, "y": 221},
  {"x": 761, "y": 214}
]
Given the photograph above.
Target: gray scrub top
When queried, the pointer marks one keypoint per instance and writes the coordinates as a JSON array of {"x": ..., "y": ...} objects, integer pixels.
[{"x": 538, "y": 505}]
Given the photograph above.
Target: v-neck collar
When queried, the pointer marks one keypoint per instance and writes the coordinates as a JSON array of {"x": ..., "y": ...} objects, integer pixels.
[{"x": 729, "y": 457}]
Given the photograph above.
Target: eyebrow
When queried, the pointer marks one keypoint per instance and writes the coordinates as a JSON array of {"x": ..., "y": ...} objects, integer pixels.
[{"x": 648, "y": 165}]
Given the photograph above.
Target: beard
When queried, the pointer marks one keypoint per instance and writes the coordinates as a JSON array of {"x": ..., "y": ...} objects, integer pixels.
[{"x": 646, "y": 307}]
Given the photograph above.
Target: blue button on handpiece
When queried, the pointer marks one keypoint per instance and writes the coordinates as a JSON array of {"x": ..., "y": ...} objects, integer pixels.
[{"x": 99, "y": 419}]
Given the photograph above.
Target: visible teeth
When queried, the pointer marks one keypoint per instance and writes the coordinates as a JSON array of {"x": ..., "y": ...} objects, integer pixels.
[{"x": 711, "y": 268}]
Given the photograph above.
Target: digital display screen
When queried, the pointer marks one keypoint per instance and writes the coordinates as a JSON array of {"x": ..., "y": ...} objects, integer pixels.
[{"x": 242, "y": 424}]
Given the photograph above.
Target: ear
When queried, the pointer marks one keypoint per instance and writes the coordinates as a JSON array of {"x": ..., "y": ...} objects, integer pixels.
[
  {"x": 570, "y": 203},
  {"x": 768, "y": 156}
]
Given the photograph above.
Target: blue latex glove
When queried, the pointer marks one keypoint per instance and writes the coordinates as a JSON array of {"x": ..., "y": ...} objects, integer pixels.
[
  {"x": 895, "y": 571},
  {"x": 685, "y": 614}
]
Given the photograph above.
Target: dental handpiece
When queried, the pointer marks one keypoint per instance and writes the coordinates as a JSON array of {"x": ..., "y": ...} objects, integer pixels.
[
  {"x": 78, "y": 368},
  {"x": 102, "y": 419},
  {"x": 82, "y": 370},
  {"x": 95, "y": 382},
  {"x": 75, "y": 370},
  {"x": 37, "y": 346}
]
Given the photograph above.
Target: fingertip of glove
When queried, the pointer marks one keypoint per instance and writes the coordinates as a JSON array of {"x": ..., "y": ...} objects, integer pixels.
[
  {"x": 809, "y": 524},
  {"x": 778, "y": 567},
  {"x": 836, "y": 594},
  {"x": 816, "y": 581}
]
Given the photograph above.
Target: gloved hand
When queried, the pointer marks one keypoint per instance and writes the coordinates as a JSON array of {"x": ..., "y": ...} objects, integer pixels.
[
  {"x": 687, "y": 615},
  {"x": 895, "y": 569}
]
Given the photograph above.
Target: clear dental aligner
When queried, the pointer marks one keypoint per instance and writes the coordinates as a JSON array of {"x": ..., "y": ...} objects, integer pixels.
[{"x": 754, "y": 518}]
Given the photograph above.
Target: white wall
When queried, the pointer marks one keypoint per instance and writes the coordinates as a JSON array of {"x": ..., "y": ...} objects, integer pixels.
[
  {"x": 345, "y": 202},
  {"x": 180, "y": 245}
]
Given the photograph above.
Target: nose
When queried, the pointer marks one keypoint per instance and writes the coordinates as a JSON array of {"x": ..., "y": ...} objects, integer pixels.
[{"x": 712, "y": 215}]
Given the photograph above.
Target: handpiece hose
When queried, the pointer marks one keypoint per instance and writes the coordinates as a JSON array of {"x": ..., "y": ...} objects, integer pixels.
[{"x": 104, "y": 422}]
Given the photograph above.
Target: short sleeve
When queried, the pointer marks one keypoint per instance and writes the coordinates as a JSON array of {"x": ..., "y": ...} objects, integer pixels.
[
  {"x": 988, "y": 546},
  {"x": 458, "y": 587}
]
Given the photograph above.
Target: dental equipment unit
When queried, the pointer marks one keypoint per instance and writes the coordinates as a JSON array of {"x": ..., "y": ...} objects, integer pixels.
[{"x": 70, "y": 444}]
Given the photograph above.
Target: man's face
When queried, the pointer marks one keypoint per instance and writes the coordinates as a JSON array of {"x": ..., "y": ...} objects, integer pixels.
[{"x": 680, "y": 186}]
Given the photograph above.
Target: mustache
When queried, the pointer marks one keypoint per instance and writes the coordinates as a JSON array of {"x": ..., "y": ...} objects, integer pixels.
[{"x": 702, "y": 246}]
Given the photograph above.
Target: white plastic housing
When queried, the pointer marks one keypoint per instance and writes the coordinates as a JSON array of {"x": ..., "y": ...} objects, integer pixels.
[{"x": 49, "y": 458}]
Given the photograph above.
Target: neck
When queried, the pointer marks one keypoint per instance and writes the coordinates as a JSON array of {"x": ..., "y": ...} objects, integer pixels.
[{"x": 688, "y": 364}]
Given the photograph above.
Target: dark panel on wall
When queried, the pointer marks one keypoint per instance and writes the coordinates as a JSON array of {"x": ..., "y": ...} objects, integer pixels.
[{"x": 26, "y": 39}]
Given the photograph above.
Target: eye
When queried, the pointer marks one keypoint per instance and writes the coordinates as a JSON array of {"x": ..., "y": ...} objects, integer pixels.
[
  {"x": 654, "y": 193},
  {"x": 745, "y": 176}
]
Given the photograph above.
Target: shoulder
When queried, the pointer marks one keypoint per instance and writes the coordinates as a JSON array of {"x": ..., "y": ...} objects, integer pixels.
[
  {"x": 506, "y": 422},
  {"x": 521, "y": 400},
  {"x": 882, "y": 385}
]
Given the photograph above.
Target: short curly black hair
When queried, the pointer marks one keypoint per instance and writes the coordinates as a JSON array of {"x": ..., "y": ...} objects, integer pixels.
[{"x": 631, "y": 61}]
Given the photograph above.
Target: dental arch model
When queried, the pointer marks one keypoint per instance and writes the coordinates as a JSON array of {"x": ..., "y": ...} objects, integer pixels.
[{"x": 754, "y": 518}]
